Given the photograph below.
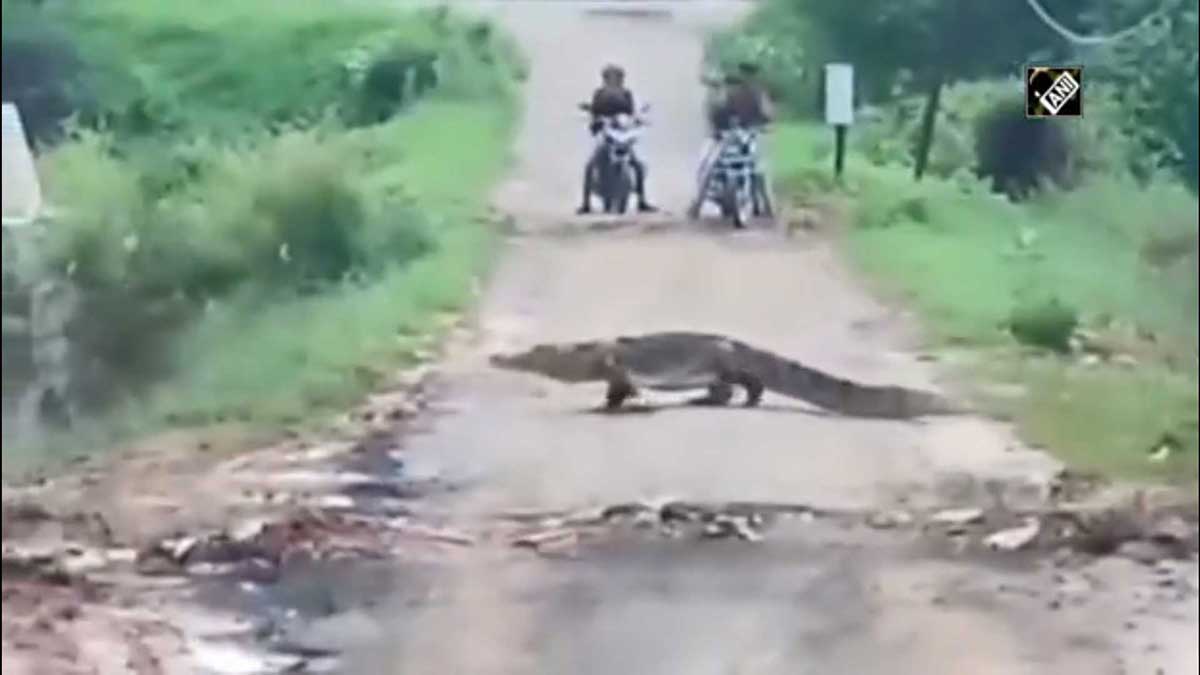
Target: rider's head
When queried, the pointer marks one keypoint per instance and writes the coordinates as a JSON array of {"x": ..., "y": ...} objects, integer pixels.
[{"x": 613, "y": 75}]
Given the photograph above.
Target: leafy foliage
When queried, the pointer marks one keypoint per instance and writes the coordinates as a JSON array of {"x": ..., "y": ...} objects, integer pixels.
[
  {"x": 182, "y": 69},
  {"x": 778, "y": 39},
  {"x": 42, "y": 70},
  {"x": 1143, "y": 86},
  {"x": 1048, "y": 324},
  {"x": 228, "y": 157},
  {"x": 1155, "y": 74},
  {"x": 894, "y": 42}
]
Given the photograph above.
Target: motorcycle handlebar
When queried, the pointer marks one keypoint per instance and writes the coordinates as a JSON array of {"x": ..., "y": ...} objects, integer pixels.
[
  {"x": 645, "y": 108},
  {"x": 758, "y": 130},
  {"x": 638, "y": 120}
]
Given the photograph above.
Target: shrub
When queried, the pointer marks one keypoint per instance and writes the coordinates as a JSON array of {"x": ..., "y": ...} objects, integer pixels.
[
  {"x": 1018, "y": 154},
  {"x": 218, "y": 168},
  {"x": 1047, "y": 324},
  {"x": 774, "y": 37},
  {"x": 42, "y": 71},
  {"x": 391, "y": 80},
  {"x": 1153, "y": 73},
  {"x": 178, "y": 69},
  {"x": 279, "y": 214},
  {"x": 275, "y": 217},
  {"x": 293, "y": 208},
  {"x": 982, "y": 130}
]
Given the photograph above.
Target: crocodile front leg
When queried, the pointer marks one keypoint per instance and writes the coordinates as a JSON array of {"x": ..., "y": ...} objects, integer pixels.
[{"x": 620, "y": 389}]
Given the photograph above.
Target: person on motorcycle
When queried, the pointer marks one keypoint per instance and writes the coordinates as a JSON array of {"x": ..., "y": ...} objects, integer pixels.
[
  {"x": 744, "y": 98},
  {"x": 610, "y": 100}
]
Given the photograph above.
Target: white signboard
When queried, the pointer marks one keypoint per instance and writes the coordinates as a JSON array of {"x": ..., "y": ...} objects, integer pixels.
[
  {"x": 22, "y": 194},
  {"x": 839, "y": 94}
]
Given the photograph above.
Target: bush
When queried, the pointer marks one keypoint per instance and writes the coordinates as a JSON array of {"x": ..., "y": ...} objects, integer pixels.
[
  {"x": 218, "y": 169},
  {"x": 281, "y": 214},
  {"x": 1047, "y": 324},
  {"x": 1018, "y": 154},
  {"x": 982, "y": 130},
  {"x": 391, "y": 80},
  {"x": 1153, "y": 75},
  {"x": 42, "y": 71},
  {"x": 773, "y": 37},
  {"x": 274, "y": 218},
  {"x": 182, "y": 70}
]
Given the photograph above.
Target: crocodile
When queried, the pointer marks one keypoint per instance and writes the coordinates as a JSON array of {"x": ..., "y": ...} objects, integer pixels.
[{"x": 681, "y": 361}]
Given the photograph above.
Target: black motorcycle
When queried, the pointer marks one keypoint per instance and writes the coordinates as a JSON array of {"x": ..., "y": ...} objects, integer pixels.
[
  {"x": 734, "y": 182},
  {"x": 613, "y": 177}
]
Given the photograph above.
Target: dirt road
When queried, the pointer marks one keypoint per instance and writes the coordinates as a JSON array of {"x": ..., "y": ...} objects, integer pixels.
[
  {"x": 386, "y": 541},
  {"x": 809, "y": 599}
]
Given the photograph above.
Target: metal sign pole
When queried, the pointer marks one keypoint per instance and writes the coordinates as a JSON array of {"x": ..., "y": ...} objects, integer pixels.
[
  {"x": 839, "y": 149},
  {"x": 839, "y": 109}
]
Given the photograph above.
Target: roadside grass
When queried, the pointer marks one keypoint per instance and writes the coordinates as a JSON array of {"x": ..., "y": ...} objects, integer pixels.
[
  {"x": 966, "y": 259},
  {"x": 1103, "y": 419},
  {"x": 282, "y": 362},
  {"x": 294, "y": 360},
  {"x": 251, "y": 251},
  {"x": 224, "y": 67}
]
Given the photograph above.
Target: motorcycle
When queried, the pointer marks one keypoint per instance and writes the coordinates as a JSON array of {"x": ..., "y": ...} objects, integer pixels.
[
  {"x": 734, "y": 183},
  {"x": 614, "y": 178}
]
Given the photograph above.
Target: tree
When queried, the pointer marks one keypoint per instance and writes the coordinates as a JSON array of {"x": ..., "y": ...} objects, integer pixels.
[
  {"x": 926, "y": 44},
  {"x": 42, "y": 71},
  {"x": 1156, "y": 77}
]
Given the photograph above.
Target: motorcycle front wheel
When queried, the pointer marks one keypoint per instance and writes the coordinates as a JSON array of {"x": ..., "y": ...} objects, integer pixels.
[
  {"x": 743, "y": 209},
  {"x": 731, "y": 204},
  {"x": 619, "y": 185}
]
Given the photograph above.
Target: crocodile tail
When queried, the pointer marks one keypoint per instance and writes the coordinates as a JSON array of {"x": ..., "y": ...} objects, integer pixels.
[{"x": 798, "y": 381}]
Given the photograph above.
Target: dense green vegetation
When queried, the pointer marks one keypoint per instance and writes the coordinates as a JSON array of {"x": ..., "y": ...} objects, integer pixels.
[
  {"x": 265, "y": 204},
  {"x": 1077, "y": 283},
  {"x": 904, "y": 50}
]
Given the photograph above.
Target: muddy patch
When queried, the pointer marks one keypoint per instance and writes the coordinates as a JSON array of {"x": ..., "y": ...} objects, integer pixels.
[
  {"x": 1139, "y": 527},
  {"x": 173, "y": 558}
]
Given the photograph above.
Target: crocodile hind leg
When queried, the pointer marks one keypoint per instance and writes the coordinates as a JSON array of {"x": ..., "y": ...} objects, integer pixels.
[
  {"x": 753, "y": 386},
  {"x": 718, "y": 394}
]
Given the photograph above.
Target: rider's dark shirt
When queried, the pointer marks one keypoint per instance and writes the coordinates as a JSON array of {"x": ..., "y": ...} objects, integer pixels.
[
  {"x": 745, "y": 102},
  {"x": 610, "y": 102}
]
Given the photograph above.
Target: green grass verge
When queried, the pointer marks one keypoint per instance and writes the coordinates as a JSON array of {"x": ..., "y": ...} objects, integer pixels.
[
  {"x": 290, "y": 361},
  {"x": 266, "y": 205},
  {"x": 965, "y": 259},
  {"x": 315, "y": 353},
  {"x": 222, "y": 67}
]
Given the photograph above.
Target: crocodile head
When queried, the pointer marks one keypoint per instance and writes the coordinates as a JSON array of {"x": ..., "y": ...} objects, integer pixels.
[{"x": 576, "y": 362}]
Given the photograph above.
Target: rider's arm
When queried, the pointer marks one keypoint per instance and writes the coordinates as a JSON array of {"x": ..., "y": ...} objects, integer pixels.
[
  {"x": 765, "y": 105},
  {"x": 717, "y": 117},
  {"x": 627, "y": 103},
  {"x": 597, "y": 108}
]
